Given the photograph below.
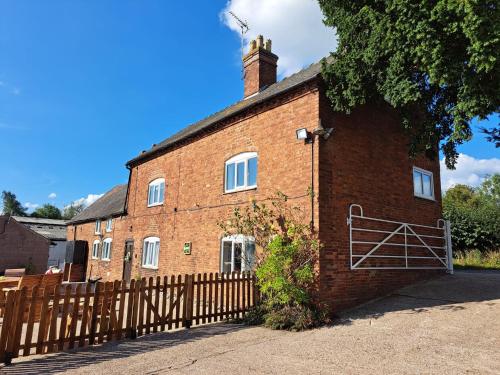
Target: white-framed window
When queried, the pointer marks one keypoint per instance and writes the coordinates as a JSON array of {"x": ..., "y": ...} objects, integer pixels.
[
  {"x": 150, "y": 252},
  {"x": 156, "y": 192},
  {"x": 109, "y": 225},
  {"x": 95, "y": 249},
  {"x": 106, "y": 249},
  {"x": 98, "y": 226},
  {"x": 241, "y": 172},
  {"x": 423, "y": 183},
  {"x": 237, "y": 253}
]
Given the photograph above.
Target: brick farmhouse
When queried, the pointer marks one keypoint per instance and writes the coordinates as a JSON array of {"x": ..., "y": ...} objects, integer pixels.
[{"x": 164, "y": 221}]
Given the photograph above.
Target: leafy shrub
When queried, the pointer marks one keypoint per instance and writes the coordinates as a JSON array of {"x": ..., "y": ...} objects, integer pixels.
[
  {"x": 255, "y": 315},
  {"x": 474, "y": 215},
  {"x": 295, "y": 318},
  {"x": 287, "y": 263}
]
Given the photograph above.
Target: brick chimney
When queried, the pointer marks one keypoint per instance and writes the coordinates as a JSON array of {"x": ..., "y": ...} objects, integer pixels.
[{"x": 259, "y": 66}]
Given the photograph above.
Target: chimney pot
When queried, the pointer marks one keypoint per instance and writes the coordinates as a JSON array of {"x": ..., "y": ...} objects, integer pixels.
[
  {"x": 259, "y": 66},
  {"x": 268, "y": 45}
]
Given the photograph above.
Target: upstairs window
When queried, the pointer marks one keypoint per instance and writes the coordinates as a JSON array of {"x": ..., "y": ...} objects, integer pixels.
[
  {"x": 95, "y": 249},
  {"x": 423, "y": 184},
  {"x": 237, "y": 254},
  {"x": 98, "y": 226},
  {"x": 241, "y": 172},
  {"x": 150, "y": 252},
  {"x": 109, "y": 225},
  {"x": 106, "y": 249},
  {"x": 156, "y": 192}
]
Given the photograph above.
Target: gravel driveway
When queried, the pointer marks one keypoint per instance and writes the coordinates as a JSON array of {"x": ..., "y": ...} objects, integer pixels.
[{"x": 450, "y": 325}]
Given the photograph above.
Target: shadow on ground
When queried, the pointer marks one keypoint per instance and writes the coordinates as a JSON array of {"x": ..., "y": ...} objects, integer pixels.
[
  {"x": 447, "y": 293},
  {"x": 65, "y": 361}
]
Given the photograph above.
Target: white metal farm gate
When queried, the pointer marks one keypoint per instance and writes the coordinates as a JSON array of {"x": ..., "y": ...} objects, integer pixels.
[{"x": 377, "y": 243}]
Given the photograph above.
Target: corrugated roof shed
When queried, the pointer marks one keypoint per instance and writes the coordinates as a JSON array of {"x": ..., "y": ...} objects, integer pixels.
[
  {"x": 49, "y": 228},
  {"x": 110, "y": 204}
]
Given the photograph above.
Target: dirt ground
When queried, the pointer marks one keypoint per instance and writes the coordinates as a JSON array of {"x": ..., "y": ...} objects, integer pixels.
[{"x": 450, "y": 325}]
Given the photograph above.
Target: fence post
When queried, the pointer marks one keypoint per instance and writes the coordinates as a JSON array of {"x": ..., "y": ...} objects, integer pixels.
[
  {"x": 7, "y": 326},
  {"x": 449, "y": 248},
  {"x": 93, "y": 321},
  {"x": 188, "y": 304}
]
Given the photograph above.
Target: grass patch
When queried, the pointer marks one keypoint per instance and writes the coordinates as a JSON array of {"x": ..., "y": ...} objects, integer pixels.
[{"x": 475, "y": 259}]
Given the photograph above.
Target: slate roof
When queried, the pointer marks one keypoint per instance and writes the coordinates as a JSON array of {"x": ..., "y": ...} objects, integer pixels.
[
  {"x": 49, "y": 228},
  {"x": 286, "y": 84},
  {"x": 110, "y": 204}
]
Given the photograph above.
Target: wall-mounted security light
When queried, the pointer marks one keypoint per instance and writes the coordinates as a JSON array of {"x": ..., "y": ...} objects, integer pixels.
[{"x": 302, "y": 134}]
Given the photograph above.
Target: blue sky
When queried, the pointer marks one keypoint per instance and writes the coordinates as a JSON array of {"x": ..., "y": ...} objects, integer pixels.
[{"x": 86, "y": 85}]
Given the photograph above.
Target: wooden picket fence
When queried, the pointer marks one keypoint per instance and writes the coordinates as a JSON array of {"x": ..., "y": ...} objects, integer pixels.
[{"x": 74, "y": 316}]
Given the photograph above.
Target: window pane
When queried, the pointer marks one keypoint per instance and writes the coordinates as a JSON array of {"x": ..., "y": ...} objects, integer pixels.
[
  {"x": 230, "y": 176},
  {"x": 157, "y": 251},
  {"x": 145, "y": 253},
  {"x": 238, "y": 249},
  {"x": 240, "y": 174},
  {"x": 150, "y": 194},
  {"x": 427, "y": 184},
  {"x": 417, "y": 182},
  {"x": 226, "y": 256},
  {"x": 162, "y": 191},
  {"x": 249, "y": 256},
  {"x": 157, "y": 194},
  {"x": 252, "y": 171},
  {"x": 150, "y": 253}
]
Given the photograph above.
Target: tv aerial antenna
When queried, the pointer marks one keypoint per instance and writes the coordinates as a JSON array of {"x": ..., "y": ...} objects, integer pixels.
[{"x": 244, "y": 29}]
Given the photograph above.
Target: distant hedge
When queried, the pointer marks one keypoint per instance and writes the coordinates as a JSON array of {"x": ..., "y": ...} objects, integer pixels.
[{"x": 474, "y": 214}]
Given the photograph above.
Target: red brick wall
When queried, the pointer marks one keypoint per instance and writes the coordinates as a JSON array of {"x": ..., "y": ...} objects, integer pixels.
[
  {"x": 194, "y": 191},
  {"x": 366, "y": 162},
  {"x": 107, "y": 269},
  {"x": 259, "y": 71},
  {"x": 20, "y": 246}
]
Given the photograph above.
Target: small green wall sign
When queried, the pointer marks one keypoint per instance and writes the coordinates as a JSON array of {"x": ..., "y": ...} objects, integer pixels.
[{"x": 187, "y": 248}]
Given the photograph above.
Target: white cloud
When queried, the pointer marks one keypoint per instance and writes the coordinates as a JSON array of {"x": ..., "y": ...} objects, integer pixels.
[
  {"x": 31, "y": 206},
  {"x": 469, "y": 171},
  {"x": 52, "y": 196},
  {"x": 88, "y": 200},
  {"x": 295, "y": 27}
]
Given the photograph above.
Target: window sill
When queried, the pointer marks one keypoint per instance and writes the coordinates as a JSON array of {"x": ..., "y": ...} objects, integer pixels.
[
  {"x": 432, "y": 199},
  {"x": 150, "y": 267},
  {"x": 95, "y": 258},
  {"x": 106, "y": 260},
  {"x": 155, "y": 204},
  {"x": 240, "y": 190}
]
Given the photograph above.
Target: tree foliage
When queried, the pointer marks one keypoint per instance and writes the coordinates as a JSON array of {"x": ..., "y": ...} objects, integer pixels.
[
  {"x": 11, "y": 206},
  {"x": 69, "y": 212},
  {"x": 47, "y": 211},
  {"x": 436, "y": 62},
  {"x": 474, "y": 215}
]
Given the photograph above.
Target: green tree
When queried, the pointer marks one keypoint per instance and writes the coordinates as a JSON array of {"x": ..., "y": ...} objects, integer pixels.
[
  {"x": 474, "y": 215},
  {"x": 11, "y": 205},
  {"x": 436, "y": 62},
  {"x": 47, "y": 211},
  {"x": 69, "y": 212}
]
